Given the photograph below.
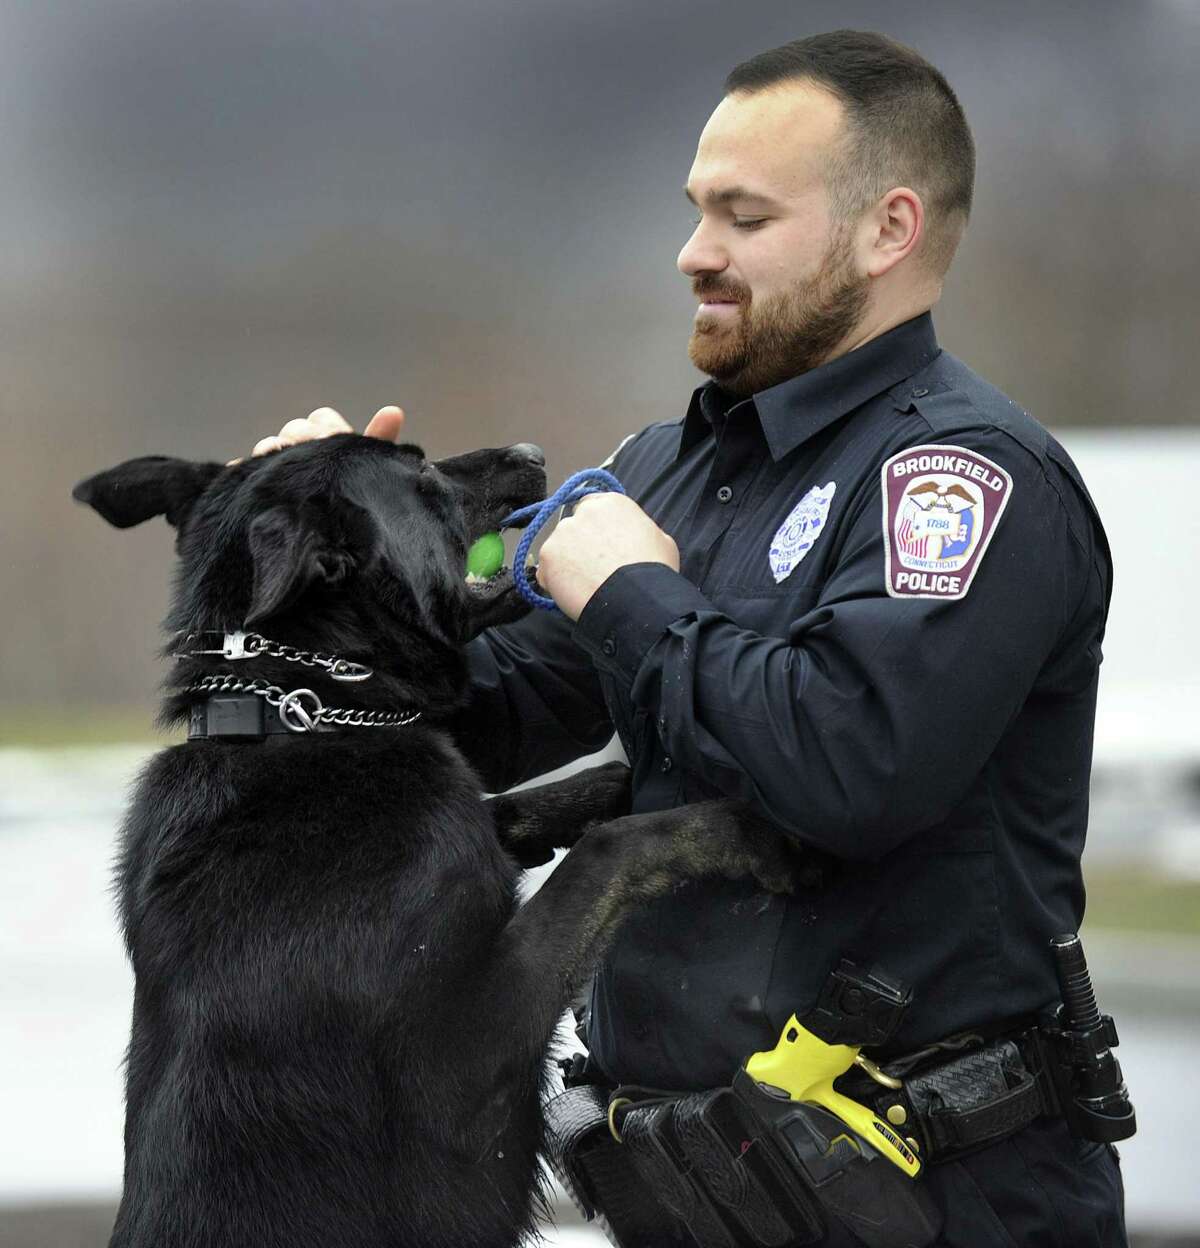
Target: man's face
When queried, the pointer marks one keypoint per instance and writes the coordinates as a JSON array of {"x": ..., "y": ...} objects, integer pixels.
[{"x": 779, "y": 285}]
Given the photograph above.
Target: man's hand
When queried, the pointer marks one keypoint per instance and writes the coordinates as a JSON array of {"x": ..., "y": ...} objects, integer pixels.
[
  {"x": 606, "y": 532},
  {"x": 386, "y": 423}
]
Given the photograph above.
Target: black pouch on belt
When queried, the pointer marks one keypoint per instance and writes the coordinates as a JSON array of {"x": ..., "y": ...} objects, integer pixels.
[
  {"x": 975, "y": 1100},
  {"x": 678, "y": 1175},
  {"x": 744, "y": 1169},
  {"x": 601, "y": 1176}
]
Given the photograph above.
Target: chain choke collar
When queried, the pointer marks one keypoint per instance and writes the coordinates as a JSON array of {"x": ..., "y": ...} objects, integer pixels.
[{"x": 249, "y": 710}]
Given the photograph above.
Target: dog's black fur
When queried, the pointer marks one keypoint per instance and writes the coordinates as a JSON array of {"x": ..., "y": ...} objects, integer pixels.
[{"x": 341, "y": 1018}]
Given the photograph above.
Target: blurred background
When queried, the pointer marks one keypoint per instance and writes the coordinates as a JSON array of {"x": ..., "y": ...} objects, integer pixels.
[{"x": 219, "y": 216}]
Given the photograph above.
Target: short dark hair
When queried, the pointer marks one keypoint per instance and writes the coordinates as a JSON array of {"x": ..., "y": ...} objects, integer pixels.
[{"x": 904, "y": 127}]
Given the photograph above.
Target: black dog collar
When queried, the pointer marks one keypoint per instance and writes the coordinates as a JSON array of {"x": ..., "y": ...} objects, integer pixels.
[{"x": 237, "y": 717}]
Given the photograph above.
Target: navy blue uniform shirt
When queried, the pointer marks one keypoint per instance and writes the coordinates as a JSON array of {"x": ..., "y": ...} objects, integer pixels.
[{"x": 885, "y": 633}]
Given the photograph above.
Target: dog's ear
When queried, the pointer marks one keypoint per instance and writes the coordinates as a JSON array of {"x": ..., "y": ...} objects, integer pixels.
[
  {"x": 293, "y": 548},
  {"x": 154, "y": 485}
]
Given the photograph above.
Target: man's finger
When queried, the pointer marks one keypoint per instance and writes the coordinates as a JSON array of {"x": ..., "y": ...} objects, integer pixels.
[
  {"x": 303, "y": 431},
  {"x": 264, "y": 446},
  {"x": 329, "y": 421},
  {"x": 386, "y": 423}
]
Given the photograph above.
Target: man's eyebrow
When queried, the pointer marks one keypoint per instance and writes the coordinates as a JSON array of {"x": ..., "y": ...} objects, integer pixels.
[{"x": 728, "y": 195}]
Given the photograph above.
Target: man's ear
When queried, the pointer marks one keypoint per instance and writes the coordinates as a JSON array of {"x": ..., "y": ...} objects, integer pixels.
[
  {"x": 292, "y": 549},
  {"x": 154, "y": 485}
]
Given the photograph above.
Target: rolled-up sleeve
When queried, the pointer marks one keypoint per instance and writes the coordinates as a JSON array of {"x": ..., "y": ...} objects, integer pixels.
[{"x": 869, "y": 720}]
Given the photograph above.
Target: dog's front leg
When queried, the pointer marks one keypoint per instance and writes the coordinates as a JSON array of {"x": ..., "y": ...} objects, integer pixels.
[
  {"x": 551, "y": 946},
  {"x": 533, "y": 823}
]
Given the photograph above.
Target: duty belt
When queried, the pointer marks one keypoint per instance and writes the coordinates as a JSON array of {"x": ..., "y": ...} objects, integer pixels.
[
  {"x": 735, "y": 1166},
  {"x": 813, "y": 1133}
]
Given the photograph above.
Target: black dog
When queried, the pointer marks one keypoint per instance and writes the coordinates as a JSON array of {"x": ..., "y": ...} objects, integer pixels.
[{"x": 341, "y": 1018}]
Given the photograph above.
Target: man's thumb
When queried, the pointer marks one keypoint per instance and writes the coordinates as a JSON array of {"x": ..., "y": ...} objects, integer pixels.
[{"x": 387, "y": 424}]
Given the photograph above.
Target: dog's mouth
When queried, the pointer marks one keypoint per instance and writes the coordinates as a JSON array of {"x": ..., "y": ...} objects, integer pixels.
[
  {"x": 488, "y": 588},
  {"x": 495, "y": 597},
  {"x": 494, "y": 600}
]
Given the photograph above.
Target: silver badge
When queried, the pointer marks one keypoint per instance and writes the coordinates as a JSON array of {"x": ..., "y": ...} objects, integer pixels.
[{"x": 796, "y": 535}]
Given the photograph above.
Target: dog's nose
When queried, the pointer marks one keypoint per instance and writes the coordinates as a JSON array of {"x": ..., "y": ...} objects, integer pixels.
[{"x": 531, "y": 454}]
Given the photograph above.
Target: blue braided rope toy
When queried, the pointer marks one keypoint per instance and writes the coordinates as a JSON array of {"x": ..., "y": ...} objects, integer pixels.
[{"x": 581, "y": 484}]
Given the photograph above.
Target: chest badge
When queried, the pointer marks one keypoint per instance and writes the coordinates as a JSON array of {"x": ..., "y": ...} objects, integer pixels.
[{"x": 796, "y": 535}]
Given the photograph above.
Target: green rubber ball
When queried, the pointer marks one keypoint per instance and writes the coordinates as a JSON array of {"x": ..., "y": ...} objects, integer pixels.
[{"x": 486, "y": 556}]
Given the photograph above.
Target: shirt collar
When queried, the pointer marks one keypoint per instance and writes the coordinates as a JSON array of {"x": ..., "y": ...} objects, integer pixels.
[{"x": 793, "y": 411}]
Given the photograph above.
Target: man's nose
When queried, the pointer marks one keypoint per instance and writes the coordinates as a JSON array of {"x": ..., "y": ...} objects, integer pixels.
[{"x": 702, "y": 254}]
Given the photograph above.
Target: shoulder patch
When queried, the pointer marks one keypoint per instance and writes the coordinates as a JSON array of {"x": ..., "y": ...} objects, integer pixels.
[{"x": 941, "y": 505}]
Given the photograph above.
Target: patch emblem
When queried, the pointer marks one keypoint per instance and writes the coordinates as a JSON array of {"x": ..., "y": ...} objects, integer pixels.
[
  {"x": 796, "y": 535},
  {"x": 941, "y": 505}
]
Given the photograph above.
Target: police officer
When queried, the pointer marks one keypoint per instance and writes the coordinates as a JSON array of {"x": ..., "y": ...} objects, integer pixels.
[{"x": 856, "y": 586}]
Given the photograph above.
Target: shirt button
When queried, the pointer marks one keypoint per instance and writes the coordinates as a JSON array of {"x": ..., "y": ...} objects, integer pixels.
[
  {"x": 666, "y": 765},
  {"x": 608, "y": 647},
  {"x": 724, "y": 494},
  {"x": 920, "y": 392}
]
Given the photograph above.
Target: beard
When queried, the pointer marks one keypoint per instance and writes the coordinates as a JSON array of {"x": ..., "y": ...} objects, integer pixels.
[{"x": 787, "y": 334}]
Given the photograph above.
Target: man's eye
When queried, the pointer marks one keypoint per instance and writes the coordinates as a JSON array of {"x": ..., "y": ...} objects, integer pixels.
[{"x": 738, "y": 223}]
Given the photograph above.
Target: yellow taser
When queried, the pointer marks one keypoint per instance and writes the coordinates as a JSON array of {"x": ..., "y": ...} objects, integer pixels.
[{"x": 804, "y": 1066}]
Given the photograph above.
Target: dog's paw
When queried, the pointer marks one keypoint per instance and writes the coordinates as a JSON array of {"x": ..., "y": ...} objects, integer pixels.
[
  {"x": 766, "y": 854},
  {"x": 611, "y": 789},
  {"x": 775, "y": 869},
  {"x": 776, "y": 879}
]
